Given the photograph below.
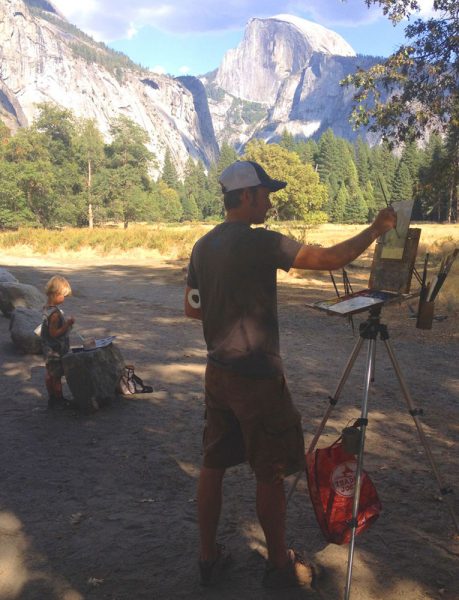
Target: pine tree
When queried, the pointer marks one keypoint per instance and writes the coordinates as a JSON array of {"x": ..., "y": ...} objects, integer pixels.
[
  {"x": 169, "y": 172},
  {"x": 452, "y": 157},
  {"x": 5, "y": 134},
  {"x": 403, "y": 184},
  {"x": 339, "y": 204},
  {"x": 362, "y": 156},
  {"x": 128, "y": 162},
  {"x": 215, "y": 207},
  {"x": 228, "y": 155},
  {"x": 169, "y": 203},
  {"x": 191, "y": 211},
  {"x": 89, "y": 150},
  {"x": 326, "y": 156},
  {"x": 356, "y": 210},
  {"x": 307, "y": 152},
  {"x": 287, "y": 141},
  {"x": 384, "y": 166},
  {"x": 370, "y": 201}
]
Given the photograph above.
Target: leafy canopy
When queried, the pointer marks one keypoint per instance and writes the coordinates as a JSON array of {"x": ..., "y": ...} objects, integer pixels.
[{"x": 417, "y": 86}]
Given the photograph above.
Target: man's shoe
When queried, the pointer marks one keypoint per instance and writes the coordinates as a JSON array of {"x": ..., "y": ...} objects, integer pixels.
[
  {"x": 211, "y": 571},
  {"x": 60, "y": 403},
  {"x": 296, "y": 573}
]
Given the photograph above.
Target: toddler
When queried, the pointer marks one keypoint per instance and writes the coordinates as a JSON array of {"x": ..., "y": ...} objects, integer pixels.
[{"x": 55, "y": 335}]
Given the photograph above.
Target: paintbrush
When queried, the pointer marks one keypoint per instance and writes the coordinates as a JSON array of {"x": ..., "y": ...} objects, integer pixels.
[
  {"x": 334, "y": 284},
  {"x": 386, "y": 201},
  {"x": 424, "y": 277},
  {"x": 445, "y": 267}
]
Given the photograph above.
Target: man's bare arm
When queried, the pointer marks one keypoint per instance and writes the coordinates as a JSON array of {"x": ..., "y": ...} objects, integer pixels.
[
  {"x": 339, "y": 255},
  {"x": 191, "y": 311}
]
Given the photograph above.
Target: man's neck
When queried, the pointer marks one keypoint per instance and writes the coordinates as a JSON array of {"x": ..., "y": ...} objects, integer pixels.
[{"x": 236, "y": 216}]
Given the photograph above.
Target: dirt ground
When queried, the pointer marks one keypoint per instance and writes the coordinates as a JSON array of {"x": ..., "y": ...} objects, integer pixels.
[{"x": 102, "y": 507}]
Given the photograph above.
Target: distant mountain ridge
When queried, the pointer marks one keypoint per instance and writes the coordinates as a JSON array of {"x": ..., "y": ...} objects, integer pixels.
[
  {"x": 45, "y": 58},
  {"x": 289, "y": 69},
  {"x": 284, "y": 75}
]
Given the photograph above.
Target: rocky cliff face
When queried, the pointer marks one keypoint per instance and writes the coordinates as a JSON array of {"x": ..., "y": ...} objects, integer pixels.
[
  {"x": 284, "y": 75},
  {"x": 43, "y": 58}
]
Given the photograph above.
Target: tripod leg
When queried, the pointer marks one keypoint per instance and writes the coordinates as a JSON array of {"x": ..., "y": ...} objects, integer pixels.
[
  {"x": 333, "y": 401},
  {"x": 373, "y": 365},
  {"x": 445, "y": 492},
  {"x": 358, "y": 472}
]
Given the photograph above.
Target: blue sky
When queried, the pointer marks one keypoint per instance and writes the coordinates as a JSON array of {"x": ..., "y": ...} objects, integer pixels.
[{"x": 191, "y": 37}]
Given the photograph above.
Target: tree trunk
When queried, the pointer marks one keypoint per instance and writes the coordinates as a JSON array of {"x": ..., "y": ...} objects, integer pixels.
[
  {"x": 90, "y": 213},
  {"x": 450, "y": 205}
]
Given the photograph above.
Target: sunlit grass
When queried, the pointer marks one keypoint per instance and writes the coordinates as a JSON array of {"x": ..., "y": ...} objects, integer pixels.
[{"x": 174, "y": 240}]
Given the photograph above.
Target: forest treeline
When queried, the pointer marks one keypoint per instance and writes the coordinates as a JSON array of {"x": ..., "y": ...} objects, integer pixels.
[{"x": 60, "y": 171}]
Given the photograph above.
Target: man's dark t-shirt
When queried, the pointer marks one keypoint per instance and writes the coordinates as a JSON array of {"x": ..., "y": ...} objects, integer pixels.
[{"x": 234, "y": 267}]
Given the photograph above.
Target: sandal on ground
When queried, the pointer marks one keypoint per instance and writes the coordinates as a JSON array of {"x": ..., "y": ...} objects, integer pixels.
[
  {"x": 296, "y": 573},
  {"x": 139, "y": 386},
  {"x": 211, "y": 571}
]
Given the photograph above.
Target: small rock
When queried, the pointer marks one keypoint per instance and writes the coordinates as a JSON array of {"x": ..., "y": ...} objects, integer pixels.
[
  {"x": 93, "y": 376},
  {"x": 76, "y": 518},
  {"x": 6, "y": 277},
  {"x": 19, "y": 295},
  {"x": 23, "y": 323}
]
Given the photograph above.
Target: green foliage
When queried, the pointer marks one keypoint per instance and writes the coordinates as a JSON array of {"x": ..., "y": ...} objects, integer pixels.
[
  {"x": 87, "y": 48},
  {"x": 403, "y": 184},
  {"x": 169, "y": 174},
  {"x": 245, "y": 112},
  {"x": 417, "y": 85},
  {"x": 60, "y": 172},
  {"x": 215, "y": 93},
  {"x": 304, "y": 192},
  {"x": 356, "y": 208},
  {"x": 338, "y": 208},
  {"x": 57, "y": 128},
  {"x": 13, "y": 206},
  {"x": 416, "y": 88},
  {"x": 5, "y": 133},
  {"x": 191, "y": 211},
  {"x": 214, "y": 204},
  {"x": 168, "y": 202}
]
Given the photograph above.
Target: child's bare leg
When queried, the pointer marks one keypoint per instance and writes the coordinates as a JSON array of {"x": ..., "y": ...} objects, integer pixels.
[{"x": 54, "y": 388}]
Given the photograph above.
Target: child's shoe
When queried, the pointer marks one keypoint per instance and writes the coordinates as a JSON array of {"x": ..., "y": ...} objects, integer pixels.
[
  {"x": 58, "y": 403},
  {"x": 212, "y": 571}
]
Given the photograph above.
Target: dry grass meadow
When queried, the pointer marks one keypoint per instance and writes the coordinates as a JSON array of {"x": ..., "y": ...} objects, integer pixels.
[
  {"x": 103, "y": 506},
  {"x": 140, "y": 243}
]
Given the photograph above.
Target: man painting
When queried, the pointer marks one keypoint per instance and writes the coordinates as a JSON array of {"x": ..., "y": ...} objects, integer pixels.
[{"x": 250, "y": 415}]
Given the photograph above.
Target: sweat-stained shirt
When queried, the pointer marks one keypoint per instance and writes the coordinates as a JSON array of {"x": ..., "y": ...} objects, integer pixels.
[{"x": 234, "y": 268}]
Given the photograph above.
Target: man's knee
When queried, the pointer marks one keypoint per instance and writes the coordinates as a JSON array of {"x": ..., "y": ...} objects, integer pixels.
[{"x": 211, "y": 475}]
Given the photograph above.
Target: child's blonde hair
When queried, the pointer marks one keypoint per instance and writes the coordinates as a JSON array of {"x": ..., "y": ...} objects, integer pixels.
[{"x": 58, "y": 285}]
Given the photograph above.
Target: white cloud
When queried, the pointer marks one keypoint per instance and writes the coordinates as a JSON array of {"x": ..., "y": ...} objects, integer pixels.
[
  {"x": 158, "y": 69},
  {"x": 427, "y": 9},
  {"x": 184, "y": 70},
  {"x": 132, "y": 31},
  {"x": 116, "y": 19}
]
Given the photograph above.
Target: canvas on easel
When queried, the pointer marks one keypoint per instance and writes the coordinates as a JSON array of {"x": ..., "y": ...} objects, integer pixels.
[
  {"x": 395, "y": 274},
  {"x": 391, "y": 270}
]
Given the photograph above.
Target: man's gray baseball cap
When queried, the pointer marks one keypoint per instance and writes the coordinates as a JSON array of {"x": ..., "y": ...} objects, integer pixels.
[{"x": 246, "y": 173}]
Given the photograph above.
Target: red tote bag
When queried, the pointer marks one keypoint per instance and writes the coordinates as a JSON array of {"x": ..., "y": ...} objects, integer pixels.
[{"x": 331, "y": 482}]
